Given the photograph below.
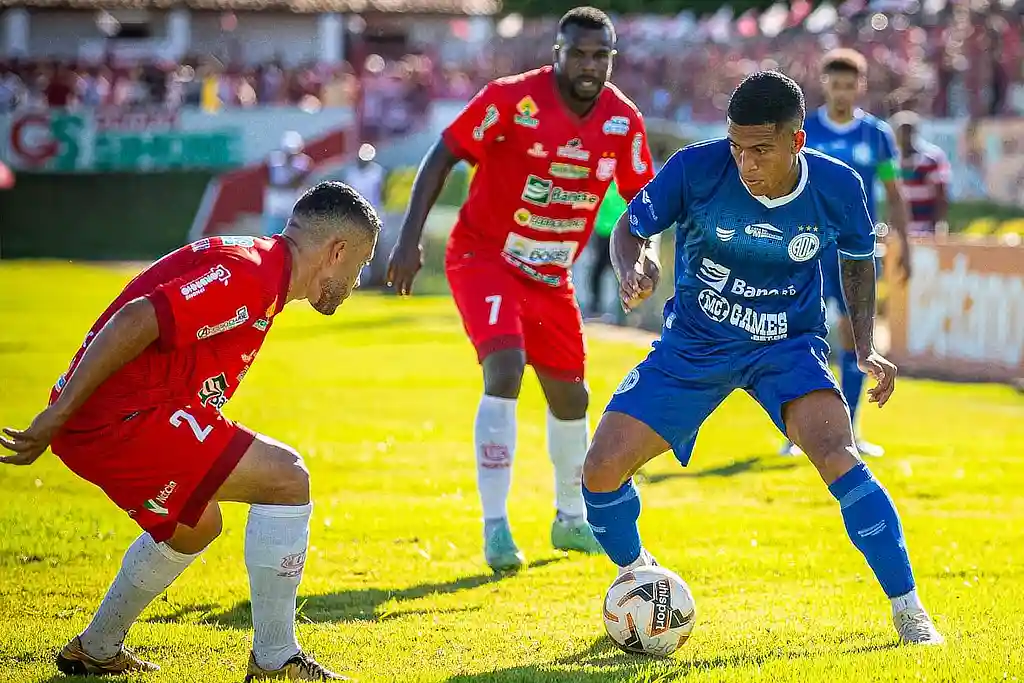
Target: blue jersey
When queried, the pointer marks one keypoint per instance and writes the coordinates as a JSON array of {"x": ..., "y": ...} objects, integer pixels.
[
  {"x": 866, "y": 144},
  {"x": 747, "y": 268}
]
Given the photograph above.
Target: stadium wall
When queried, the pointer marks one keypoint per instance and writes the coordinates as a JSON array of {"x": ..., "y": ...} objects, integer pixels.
[{"x": 109, "y": 216}]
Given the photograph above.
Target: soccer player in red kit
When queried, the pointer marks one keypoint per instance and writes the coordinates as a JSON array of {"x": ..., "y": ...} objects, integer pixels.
[
  {"x": 546, "y": 144},
  {"x": 138, "y": 414}
]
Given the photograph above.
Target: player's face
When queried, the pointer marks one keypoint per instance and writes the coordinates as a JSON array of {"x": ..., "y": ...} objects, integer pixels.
[
  {"x": 766, "y": 156},
  {"x": 904, "y": 136},
  {"x": 343, "y": 260},
  {"x": 583, "y": 60},
  {"x": 842, "y": 89}
]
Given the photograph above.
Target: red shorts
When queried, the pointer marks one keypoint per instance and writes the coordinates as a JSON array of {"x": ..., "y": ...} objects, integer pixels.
[
  {"x": 501, "y": 310},
  {"x": 162, "y": 466}
]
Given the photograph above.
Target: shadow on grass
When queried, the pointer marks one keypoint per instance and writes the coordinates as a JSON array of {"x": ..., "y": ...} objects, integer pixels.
[
  {"x": 361, "y": 604},
  {"x": 602, "y": 661},
  {"x": 734, "y": 469}
]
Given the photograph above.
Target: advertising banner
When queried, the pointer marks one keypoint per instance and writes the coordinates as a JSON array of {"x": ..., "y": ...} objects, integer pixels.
[
  {"x": 962, "y": 314},
  {"x": 111, "y": 140}
]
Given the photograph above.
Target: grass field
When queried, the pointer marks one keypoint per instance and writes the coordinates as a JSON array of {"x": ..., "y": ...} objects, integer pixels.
[{"x": 380, "y": 400}]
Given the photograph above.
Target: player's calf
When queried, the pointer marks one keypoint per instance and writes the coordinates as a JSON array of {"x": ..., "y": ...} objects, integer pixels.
[
  {"x": 819, "y": 424},
  {"x": 622, "y": 444}
]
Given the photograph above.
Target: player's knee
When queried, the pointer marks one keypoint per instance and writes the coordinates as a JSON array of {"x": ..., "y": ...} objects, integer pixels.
[
  {"x": 503, "y": 373},
  {"x": 833, "y": 460},
  {"x": 193, "y": 540},
  {"x": 570, "y": 404},
  {"x": 603, "y": 470},
  {"x": 288, "y": 482},
  {"x": 294, "y": 489}
]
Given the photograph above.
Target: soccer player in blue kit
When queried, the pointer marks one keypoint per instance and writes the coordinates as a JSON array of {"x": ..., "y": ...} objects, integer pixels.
[
  {"x": 755, "y": 214},
  {"x": 842, "y": 130}
]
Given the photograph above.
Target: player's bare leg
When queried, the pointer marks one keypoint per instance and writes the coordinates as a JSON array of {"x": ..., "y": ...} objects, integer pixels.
[
  {"x": 273, "y": 479},
  {"x": 147, "y": 570},
  {"x": 495, "y": 437},
  {"x": 568, "y": 434},
  {"x": 622, "y": 445},
  {"x": 820, "y": 424}
]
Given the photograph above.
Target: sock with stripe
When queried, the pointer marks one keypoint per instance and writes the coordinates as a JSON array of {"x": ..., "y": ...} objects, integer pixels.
[
  {"x": 613, "y": 517},
  {"x": 874, "y": 527}
]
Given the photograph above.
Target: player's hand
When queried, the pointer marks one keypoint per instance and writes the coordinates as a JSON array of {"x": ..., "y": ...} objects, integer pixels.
[
  {"x": 30, "y": 443},
  {"x": 638, "y": 283},
  {"x": 403, "y": 264},
  {"x": 883, "y": 372}
]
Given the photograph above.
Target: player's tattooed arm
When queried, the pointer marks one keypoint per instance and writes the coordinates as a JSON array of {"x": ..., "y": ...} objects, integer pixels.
[
  {"x": 124, "y": 337},
  {"x": 858, "y": 277},
  {"x": 859, "y": 291},
  {"x": 407, "y": 256}
]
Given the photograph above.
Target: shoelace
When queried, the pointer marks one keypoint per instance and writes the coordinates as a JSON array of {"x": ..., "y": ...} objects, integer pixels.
[{"x": 916, "y": 626}]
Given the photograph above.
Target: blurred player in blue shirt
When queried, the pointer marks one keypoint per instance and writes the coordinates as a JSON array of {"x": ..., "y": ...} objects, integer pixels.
[
  {"x": 756, "y": 213},
  {"x": 848, "y": 133}
]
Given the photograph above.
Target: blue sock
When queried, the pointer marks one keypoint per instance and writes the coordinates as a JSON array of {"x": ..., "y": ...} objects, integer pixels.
[
  {"x": 874, "y": 527},
  {"x": 851, "y": 379},
  {"x": 612, "y": 517}
]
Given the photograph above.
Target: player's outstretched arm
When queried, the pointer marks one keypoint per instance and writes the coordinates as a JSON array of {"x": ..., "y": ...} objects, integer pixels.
[
  {"x": 858, "y": 277},
  {"x": 407, "y": 256},
  {"x": 124, "y": 337}
]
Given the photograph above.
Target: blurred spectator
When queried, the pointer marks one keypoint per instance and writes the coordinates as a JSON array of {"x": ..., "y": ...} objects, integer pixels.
[
  {"x": 366, "y": 176},
  {"x": 287, "y": 171},
  {"x": 926, "y": 175}
]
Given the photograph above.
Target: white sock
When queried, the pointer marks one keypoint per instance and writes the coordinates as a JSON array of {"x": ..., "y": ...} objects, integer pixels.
[
  {"x": 276, "y": 538},
  {"x": 567, "y": 446},
  {"x": 908, "y": 601},
  {"x": 495, "y": 436},
  {"x": 147, "y": 570}
]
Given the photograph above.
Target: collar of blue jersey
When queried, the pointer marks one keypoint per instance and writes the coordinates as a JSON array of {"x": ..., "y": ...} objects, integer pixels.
[
  {"x": 840, "y": 128},
  {"x": 782, "y": 201}
]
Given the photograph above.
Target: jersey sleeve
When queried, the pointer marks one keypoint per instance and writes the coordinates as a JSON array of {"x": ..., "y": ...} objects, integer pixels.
[
  {"x": 660, "y": 203},
  {"x": 888, "y": 157},
  {"x": 216, "y": 297},
  {"x": 856, "y": 240},
  {"x": 632, "y": 177},
  {"x": 478, "y": 125}
]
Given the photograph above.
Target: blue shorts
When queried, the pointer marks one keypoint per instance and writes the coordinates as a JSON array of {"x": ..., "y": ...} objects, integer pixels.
[
  {"x": 832, "y": 282},
  {"x": 676, "y": 388}
]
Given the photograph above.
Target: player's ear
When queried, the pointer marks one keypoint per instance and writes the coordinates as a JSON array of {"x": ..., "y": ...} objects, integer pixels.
[
  {"x": 799, "y": 140},
  {"x": 338, "y": 250}
]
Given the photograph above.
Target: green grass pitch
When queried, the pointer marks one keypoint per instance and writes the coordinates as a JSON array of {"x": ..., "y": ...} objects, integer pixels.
[{"x": 380, "y": 399}]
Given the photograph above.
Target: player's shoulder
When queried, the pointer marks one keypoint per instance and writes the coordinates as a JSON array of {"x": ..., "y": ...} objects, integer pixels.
[
  {"x": 520, "y": 82},
  {"x": 871, "y": 121},
  {"x": 246, "y": 254},
  {"x": 706, "y": 153},
  {"x": 701, "y": 166},
  {"x": 828, "y": 173},
  {"x": 619, "y": 100},
  {"x": 931, "y": 152}
]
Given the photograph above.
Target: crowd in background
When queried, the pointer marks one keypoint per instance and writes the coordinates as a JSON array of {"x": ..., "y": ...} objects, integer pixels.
[
  {"x": 940, "y": 59},
  {"x": 391, "y": 94}
]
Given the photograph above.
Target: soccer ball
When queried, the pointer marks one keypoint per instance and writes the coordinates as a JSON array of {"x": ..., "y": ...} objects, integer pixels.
[{"x": 649, "y": 610}]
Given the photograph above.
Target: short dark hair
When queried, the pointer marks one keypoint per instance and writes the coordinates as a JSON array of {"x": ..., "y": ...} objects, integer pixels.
[
  {"x": 335, "y": 204},
  {"x": 844, "y": 60},
  {"x": 589, "y": 18},
  {"x": 767, "y": 97}
]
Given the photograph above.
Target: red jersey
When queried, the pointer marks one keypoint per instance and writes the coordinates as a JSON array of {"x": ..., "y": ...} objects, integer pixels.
[
  {"x": 542, "y": 170},
  {"x": 215, "y": 301}
]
